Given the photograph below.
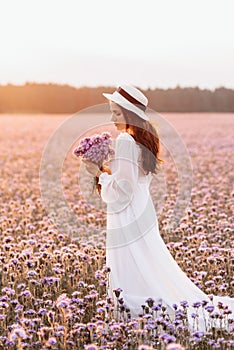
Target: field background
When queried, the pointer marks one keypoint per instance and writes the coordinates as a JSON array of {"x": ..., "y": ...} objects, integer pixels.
[{"x": 37, "y": 259}]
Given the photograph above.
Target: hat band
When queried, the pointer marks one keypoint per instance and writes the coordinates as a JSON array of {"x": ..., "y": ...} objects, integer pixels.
[{"x": 131, "y": 99}]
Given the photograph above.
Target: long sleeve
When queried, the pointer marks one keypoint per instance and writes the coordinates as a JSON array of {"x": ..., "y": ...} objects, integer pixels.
[{"x": 118, "y": 188}]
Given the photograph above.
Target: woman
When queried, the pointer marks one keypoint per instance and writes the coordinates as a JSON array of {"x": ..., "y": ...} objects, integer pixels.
[{"x": 140, "y": 263}]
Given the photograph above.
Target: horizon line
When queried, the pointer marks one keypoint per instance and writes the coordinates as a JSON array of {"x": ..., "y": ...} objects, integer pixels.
[{"x": 114, "y": 86}]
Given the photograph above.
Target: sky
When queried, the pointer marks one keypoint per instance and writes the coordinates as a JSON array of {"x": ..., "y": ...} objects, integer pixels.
[{"x": 147, "y": 43}]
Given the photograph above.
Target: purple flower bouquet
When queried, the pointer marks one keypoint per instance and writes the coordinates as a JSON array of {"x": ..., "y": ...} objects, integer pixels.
[{"x": 97, "y": 150}]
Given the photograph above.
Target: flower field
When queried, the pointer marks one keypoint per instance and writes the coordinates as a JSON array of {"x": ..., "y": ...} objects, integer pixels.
[{"x": 53, "y": 285}]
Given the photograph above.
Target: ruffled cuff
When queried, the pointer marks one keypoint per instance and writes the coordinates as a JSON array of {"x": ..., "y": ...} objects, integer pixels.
[
  {"x": 117, "y": 194},
  {"x": 104, "y": 178}
]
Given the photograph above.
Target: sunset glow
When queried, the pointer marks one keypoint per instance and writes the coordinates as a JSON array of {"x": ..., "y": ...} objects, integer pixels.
[{"x": 147, "y": 43}]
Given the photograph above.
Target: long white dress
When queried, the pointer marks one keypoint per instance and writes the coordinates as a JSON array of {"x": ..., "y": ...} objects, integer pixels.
[{"x": 140, "y": 263}]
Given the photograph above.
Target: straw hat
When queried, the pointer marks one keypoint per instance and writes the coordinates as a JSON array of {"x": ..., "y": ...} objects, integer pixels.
[{"x": 130, "y": 98}]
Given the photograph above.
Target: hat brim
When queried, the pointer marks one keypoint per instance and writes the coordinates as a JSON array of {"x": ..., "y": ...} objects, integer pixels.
[{"x": 123, "y": 102}]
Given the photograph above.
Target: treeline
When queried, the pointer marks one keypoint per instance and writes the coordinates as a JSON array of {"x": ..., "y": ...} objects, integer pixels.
[{"x": 54, "y": 98}]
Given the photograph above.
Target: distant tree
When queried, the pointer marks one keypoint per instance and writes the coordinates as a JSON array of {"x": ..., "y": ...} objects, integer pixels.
[{"x": 55, "y": 98}]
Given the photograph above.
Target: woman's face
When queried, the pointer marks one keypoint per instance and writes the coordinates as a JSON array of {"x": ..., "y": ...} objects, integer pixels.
[{"x": 117, "y": 116}]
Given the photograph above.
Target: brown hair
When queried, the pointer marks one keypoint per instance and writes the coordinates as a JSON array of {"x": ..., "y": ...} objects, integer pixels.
[{"x": 146, "y": 136}]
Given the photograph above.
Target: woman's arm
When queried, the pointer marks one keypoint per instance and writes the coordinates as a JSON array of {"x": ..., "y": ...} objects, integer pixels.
[
  {"x": 93, "y": 168},
  {"x": 104, "y": 169},
  {"x": 118, "y": 187}
]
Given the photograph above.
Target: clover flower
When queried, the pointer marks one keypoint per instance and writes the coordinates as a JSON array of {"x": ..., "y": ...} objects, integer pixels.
[
  {"x": 17, "y": 332},
  {"x": 96, "y": 149}
]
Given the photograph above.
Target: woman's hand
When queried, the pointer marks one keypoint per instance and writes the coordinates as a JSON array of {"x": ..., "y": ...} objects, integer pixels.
[
  {"x": 92, "y": 168},
  {"x": 106, "y": 169}
]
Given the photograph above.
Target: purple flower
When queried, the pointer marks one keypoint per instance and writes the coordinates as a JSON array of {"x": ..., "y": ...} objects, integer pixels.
[
  {"x": 17, "y": 332},
  {"x": 184, "y": 303},
  {"x": 30, "y": 312},
  {"x": 100, "y": 310},
  {"x": 4, "y": 305},
  {"x": 209, "y": 308},
  {"x": 198, "y": 334},
  {"x": 63, "y": 301},
  {"x": 41, "y": 312},
  {"x": 167, "y": 338},
  {"x": 227, "y": 312},
  {"x": 8, "y": 291},
  {"x": 91, "y": 347},
  {"x": 96, "y": 149},
  {"x": 204, "y": 302},
  {"x": 150, "y": 302},
  {"x": 156, "y": 307},
  {"x": 51, "y": 341},
  {"x": 211, "y": 297},
  {"x": 117, "y": 291},
  {"x": 26, "y": 293},
  {"x": 197, "y": 304}
]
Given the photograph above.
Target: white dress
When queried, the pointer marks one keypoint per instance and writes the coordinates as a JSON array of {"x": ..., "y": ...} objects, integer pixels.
[{"x": 140, "y": 263}]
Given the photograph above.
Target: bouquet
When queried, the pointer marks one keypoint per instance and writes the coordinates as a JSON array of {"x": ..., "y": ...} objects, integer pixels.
[{"x": 96, "y": 149}]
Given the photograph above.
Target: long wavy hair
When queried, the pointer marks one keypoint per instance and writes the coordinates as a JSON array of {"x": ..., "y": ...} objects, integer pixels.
[{"x": 146, "y": 136}]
